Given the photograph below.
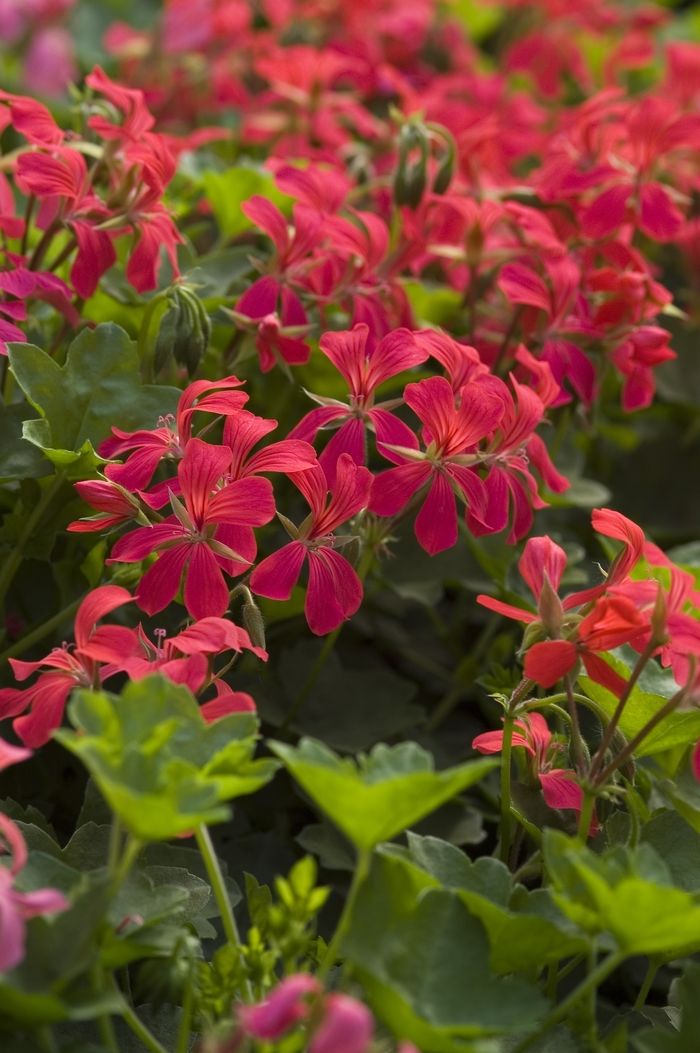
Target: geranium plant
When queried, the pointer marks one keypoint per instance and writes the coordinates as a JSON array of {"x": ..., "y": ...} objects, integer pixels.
[{"x": 350, "y": 553}]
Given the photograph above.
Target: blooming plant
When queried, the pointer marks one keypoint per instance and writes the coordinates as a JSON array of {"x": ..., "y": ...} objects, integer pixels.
[{"x": 348, "y": 446}]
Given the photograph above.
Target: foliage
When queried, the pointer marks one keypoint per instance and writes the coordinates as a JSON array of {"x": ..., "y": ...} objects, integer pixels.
[{"x": 349, "y": 541}]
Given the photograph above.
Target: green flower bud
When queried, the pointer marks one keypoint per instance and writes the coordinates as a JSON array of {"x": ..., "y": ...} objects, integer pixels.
[
  {"x": 254, "y": 623},
  {"x": 165, "y": 340}
]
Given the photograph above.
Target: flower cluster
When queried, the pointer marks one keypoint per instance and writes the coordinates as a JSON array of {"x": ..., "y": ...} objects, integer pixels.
[{"x": 82, "y": 195}]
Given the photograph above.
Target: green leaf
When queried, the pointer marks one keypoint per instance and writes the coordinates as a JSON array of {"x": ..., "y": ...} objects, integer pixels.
[
  {"x": 162, "y": 769},
  {"x": 227, "y": 190},
  {"x": 19, "y": 459},
  {"x": 348, "y": 709},
  {"x": 98, "y": 387},
  {"x": 658, "y": 1040},
  {"x": 480, "y": 20},
  {"x": 625, "y": 893},
  {"x": 380, "y": 795},
  {"x": 678, "y": 844},
  {"x": 525, "y": 929},
  {"x": 325, "y": 841},
  {"x": 675, "y": 729},
  {"x": 424, "y": 962},
  {"x": 433, "y": 306}
]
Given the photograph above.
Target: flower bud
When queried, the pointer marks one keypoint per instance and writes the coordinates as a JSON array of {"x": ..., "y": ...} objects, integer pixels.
[
  {"x": 347, "y": 1027},
  {"x": 166, "y": 336},
  {"x": 445, "y": 172},
  {"x": 550, "y": 609},
  {"x": 254, "y": 622},
  {"x": 271, "y": 1019},
  {"x": 411, "y": 178},
  {"x": 192, "y": 331}
]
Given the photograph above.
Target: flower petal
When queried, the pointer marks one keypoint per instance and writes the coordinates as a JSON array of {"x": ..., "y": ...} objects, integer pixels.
[{"x": 277, "y": 575}]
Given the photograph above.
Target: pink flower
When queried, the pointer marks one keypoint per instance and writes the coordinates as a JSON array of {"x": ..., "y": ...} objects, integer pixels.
[
  {"x": 17, "y": 907},
  {"x": 150, "y": 447},
  {"x": 188, "y": 658},
  {"x": 260, "y": 301},
  {"x": 542, "y": 559},
  {"x": 614, "y": 620},
  {"x": 279, "y": 315},
  {"x": 335, "y": 591},
  {"x": 10, "y": 754},
  {"x": 613, "y": 524},
  {"x": 79, "y": 667},
  {"x": 451, "y": 435},
  {"x": 636, "y": 358},
  {"x": 347, "y": 1027},
  {"x": 115, "y": 505},
  {"x": 363, "y": 372},
  {"x": 242, "y": 431},
  {"x": 49, "y": 64},
  {"x": 513, "y": 447},
  {"x": 559, "y": 785},
  {"x": 269, "y": 1021},
  {"x": 195, "y": 539}
]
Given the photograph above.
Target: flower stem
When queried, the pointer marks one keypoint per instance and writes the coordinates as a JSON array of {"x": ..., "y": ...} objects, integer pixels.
[
  {"x": 364, "y": 859},
  {"x": 25, "y": 642},
  {"x": 584, "y": 822},
  {"x": 624, "y": 697},
  {"x": 14, "y": 558},
  {"x": 508, "y": 723},
  {"x": 654, "y": 966},
  {"x": 218, "y": 885},
  {"x": 121, "y": 872},
  {"x": 183, "y": 1035},
  {"x": 576, "y": 740},
  {"x": 594, "y": 978},
  {"x": 632, "y": 745},
  {"x": 141, "y": 1031},
  {"x": 328, "y": 645}
]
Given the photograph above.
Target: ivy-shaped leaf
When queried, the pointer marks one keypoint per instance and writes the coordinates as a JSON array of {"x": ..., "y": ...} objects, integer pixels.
[
  {"x": 381, "y": 794},
  {"x": 160, "y": 766},
  {"x": 98, "y": 388}
]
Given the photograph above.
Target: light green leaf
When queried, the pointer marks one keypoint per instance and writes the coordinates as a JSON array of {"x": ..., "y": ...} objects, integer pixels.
[
  {"x": 625, "y": 893},
  {"x": 162, "y": 769},
  {"x": 676, "y": 729},
  {"x": 423, "y": 960},
  {"x": 380, "y": 795},
  {"x": 433, "y": 306},
  {"x": 98, "y": 387},
  {"x": 227, "y": 190},
  {"x": 480, "y": 20}
]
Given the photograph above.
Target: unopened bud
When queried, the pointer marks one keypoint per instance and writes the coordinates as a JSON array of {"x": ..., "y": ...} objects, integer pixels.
[
  {"x": 411, "y": 178},
  {"x": 192, "y": 332},
  {"x": 165, "y": 340},
  {"x": 254, "y": 622},
  {"x": 443, "y": 178},
  {"x": 550, "y": 608}
]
